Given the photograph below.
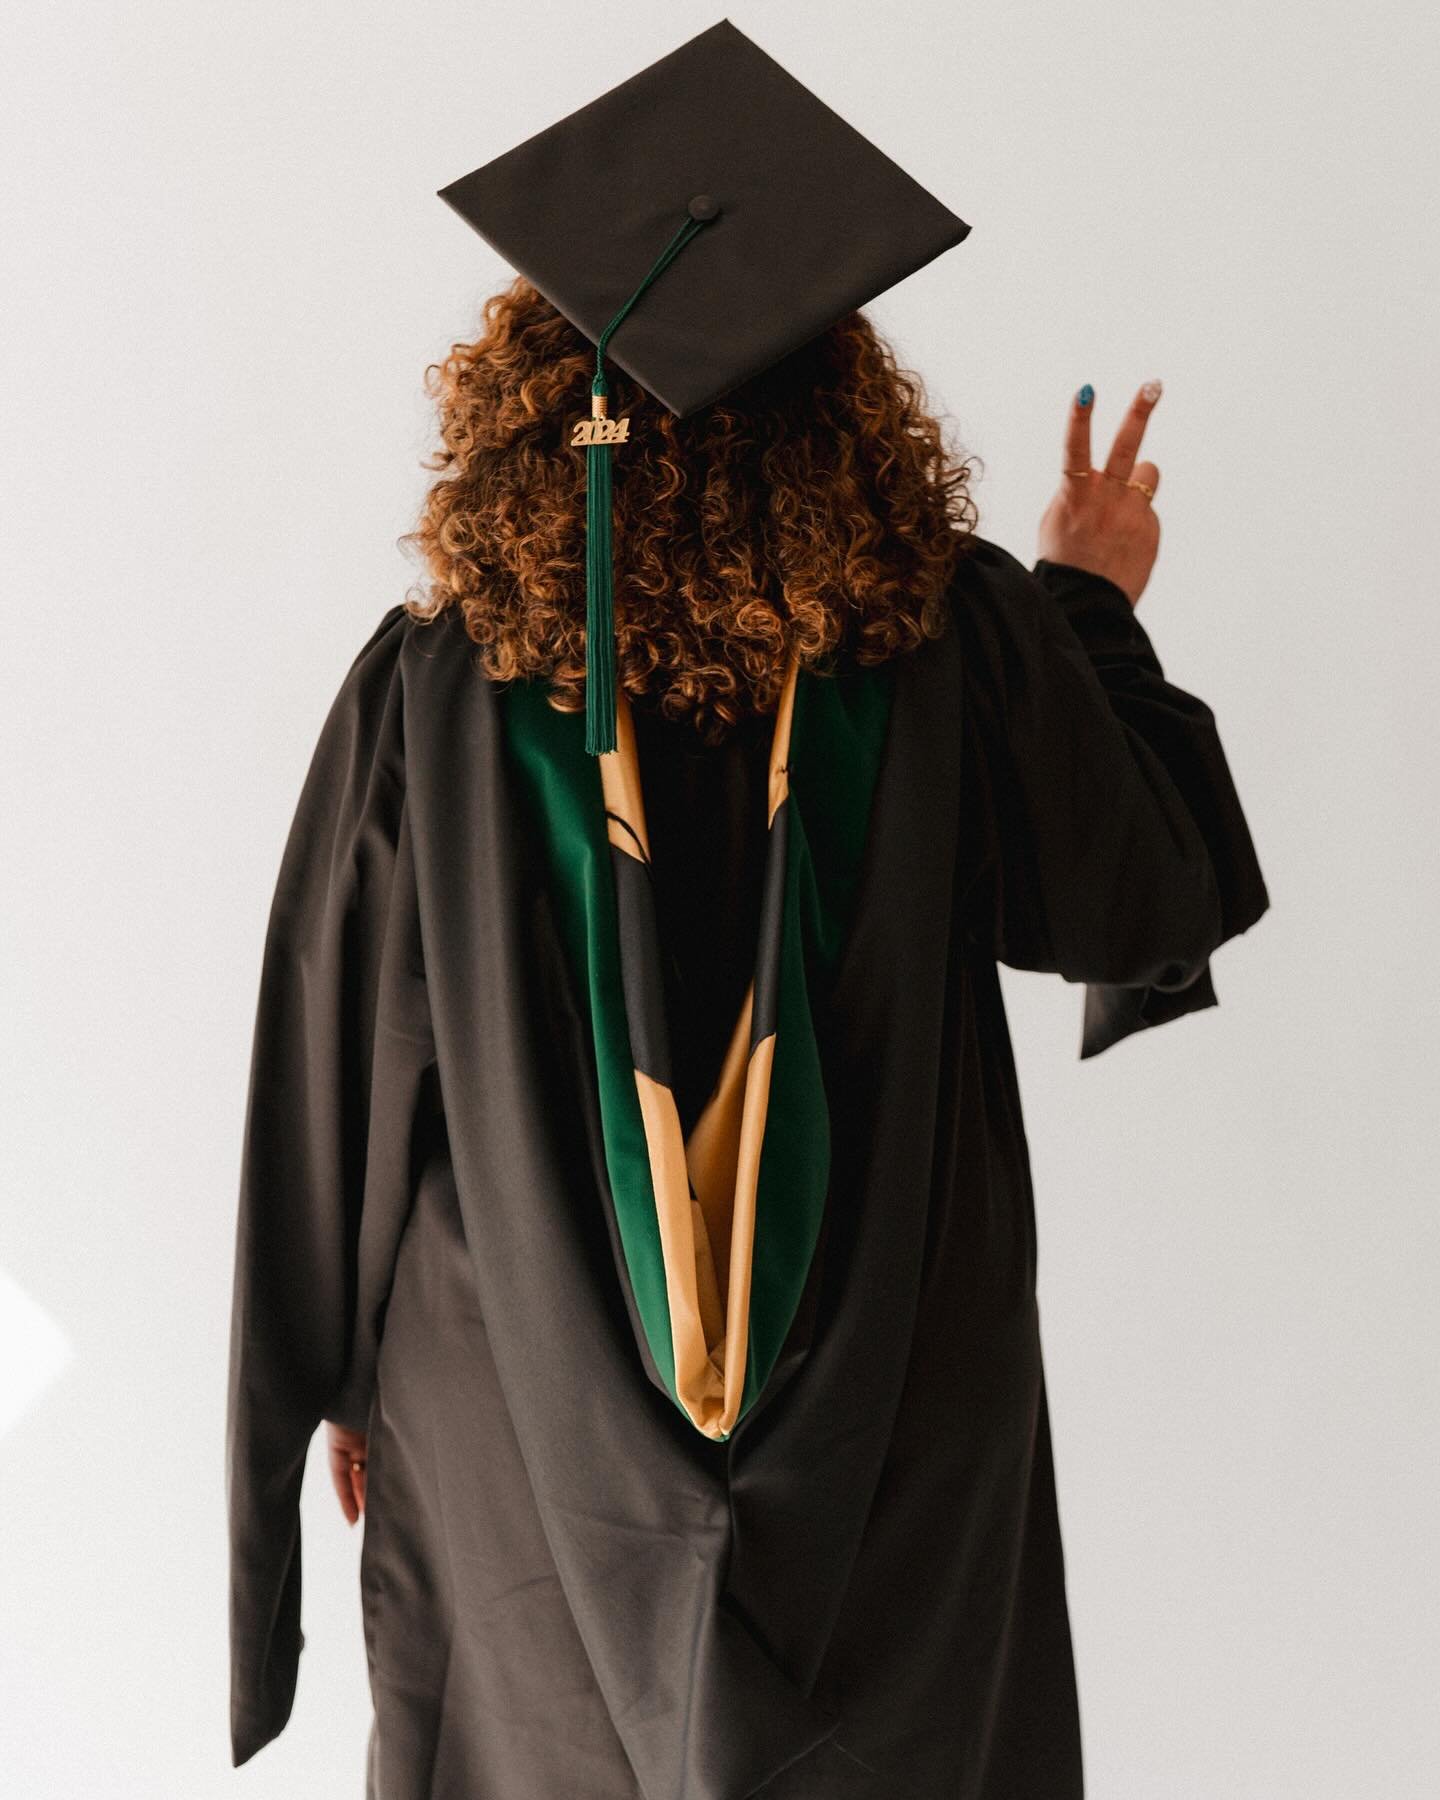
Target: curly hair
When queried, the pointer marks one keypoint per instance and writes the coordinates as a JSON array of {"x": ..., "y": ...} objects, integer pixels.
[{"x": 813, "y": 508}]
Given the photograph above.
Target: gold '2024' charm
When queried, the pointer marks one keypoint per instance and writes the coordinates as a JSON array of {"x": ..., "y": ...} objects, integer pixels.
[
  {"x": 600, "y": 431},
  {"x": 600, "y": 428}
]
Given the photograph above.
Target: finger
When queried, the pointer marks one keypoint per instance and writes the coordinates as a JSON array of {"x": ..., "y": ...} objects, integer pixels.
[
  {"x": 1132, "y": 428},
  {"x": 357, "y": 1483},
  {"x": 340, "y": 1481},
  {"x": 1149, "y": 474},
  {"x": 1077, "y": 433}
]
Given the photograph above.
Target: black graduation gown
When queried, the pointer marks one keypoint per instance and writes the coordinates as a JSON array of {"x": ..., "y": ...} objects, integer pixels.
[{"x": 567, "y": 1590}]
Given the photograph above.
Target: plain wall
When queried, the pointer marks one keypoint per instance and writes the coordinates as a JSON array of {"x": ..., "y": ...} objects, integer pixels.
[{"x": 224, "y": 271}]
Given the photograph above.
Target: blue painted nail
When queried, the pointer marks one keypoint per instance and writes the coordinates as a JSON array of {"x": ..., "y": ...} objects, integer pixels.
[{"x": 1086, "y": 394}]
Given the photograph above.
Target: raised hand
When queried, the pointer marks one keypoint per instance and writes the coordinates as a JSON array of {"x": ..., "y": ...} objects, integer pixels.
[{"x": 1102, "y": 519}]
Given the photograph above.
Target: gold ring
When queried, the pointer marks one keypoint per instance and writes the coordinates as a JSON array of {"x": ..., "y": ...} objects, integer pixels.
[
  {"x": 1144, "y": 487},
  {"x": 1146, "y": 490},
  {"x": 357, "y": 1465}
]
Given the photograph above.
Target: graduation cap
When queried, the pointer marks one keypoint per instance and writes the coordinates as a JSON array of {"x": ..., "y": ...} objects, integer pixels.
[{"x": 698, "y": 222}]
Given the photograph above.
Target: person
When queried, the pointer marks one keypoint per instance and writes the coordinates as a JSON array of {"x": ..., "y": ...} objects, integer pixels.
[{"x": 635, "y": 1184}]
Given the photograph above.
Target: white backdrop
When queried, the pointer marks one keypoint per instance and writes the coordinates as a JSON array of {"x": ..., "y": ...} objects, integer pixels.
[{"x": 224, "y": 271}]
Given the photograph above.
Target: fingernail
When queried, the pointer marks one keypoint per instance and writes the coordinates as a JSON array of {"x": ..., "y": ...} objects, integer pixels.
[
  {"x": 1086, "y": 394},
  {"x": 1151, "y": 391}
]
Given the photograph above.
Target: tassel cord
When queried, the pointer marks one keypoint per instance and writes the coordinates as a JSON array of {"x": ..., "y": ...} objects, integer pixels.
[{"x": 600, "y": 652}]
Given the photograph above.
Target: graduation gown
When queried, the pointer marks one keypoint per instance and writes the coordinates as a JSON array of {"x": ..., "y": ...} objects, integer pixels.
[{"x": 568, "y": 1590}]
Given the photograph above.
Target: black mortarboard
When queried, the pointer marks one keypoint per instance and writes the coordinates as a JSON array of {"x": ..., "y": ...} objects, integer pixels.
[{"x": 768, "y": 216}]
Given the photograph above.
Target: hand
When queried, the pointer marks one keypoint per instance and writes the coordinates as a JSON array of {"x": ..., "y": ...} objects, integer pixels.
[
  {"x": 1095, "y": 521},
  {"x": 346, "y": 1448}
]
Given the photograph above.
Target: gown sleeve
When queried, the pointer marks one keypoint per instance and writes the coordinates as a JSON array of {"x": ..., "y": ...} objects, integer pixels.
[
  {"x": 1102, "y": 825},
  {"x": 333, "y": 1077}
]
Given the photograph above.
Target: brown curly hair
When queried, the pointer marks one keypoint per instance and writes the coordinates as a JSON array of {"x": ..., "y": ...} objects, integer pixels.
[{"x": 815, "y": 507}]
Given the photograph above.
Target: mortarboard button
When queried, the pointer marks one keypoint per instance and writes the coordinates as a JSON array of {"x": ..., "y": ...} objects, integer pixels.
[{"x": 703, "y": 207}]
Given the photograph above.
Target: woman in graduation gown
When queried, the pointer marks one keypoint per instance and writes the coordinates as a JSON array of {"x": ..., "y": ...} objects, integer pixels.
[{"x": 634, "y": 1175}]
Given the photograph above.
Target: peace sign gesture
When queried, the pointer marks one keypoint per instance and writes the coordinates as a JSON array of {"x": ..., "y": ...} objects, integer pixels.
[{"x": 1102, "y": 519}]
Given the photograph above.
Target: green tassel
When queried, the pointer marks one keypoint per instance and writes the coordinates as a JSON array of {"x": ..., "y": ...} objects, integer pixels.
[
  {"x": 599, "y": 603},
  {"x": 600, "y": 661}
]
